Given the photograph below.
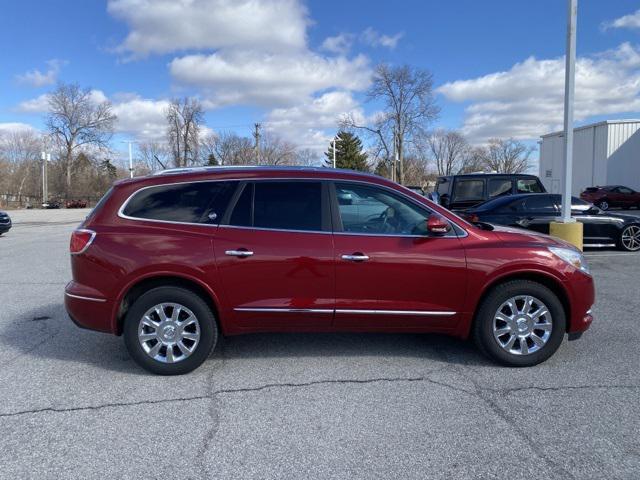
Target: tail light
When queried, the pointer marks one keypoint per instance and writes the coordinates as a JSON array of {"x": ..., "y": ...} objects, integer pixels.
[{"x": 80, "y": 240}]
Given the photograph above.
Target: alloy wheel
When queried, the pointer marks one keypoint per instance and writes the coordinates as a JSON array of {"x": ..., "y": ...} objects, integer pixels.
[
  {"x": 603, "y": 205},
  {"x": 169, "y": 332},
  {"x": 631, "y": 238},
  {"x": 522, "y": 325}
]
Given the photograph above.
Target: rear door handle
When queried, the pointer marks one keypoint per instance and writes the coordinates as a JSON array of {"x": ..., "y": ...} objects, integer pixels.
[
  {"x": 238, "y": 253},
  {"x": 356, "y": 257}
]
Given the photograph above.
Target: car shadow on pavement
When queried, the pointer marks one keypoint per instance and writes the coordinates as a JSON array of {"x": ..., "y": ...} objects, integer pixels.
[{"x": 47, "y": 333}]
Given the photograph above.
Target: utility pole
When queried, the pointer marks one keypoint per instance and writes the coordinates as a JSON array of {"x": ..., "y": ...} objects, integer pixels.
[
  {"x": 566, "y": 227},
  {"x": 569, "y": 86},
  {"x": 46, "y": 158},
  {"x": 130, "y": 142},
  {"x": 256, "y": 136}
]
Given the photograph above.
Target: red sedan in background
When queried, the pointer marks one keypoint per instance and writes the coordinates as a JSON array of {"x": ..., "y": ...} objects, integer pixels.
[
  {"x": 172, "y": 261},
  {"x": 612, "y": 196}
]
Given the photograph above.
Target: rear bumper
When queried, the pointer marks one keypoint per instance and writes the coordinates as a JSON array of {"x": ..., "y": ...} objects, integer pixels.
[{"x": 87, "y": 308}]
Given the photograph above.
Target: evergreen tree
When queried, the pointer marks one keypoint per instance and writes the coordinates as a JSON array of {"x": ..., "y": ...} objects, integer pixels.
[{"x": 349, "y": 152}]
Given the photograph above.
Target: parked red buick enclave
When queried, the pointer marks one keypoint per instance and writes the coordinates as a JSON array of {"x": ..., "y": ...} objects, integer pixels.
[{"x": 172, "y": 261}]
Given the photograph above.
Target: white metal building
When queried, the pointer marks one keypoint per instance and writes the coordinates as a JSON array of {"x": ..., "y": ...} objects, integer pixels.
[{"x": 604, "y": 153}]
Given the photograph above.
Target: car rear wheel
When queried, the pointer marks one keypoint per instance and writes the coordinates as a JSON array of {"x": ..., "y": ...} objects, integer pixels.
[
  {"x": 630, "y": 238},
  {"x": 519, "y": 324},
  {"x": 170, "y": 331},
  {"x": 603, "y": 205}
]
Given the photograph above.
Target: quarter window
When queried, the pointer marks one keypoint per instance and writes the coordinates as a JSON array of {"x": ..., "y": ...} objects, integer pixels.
[
  {"x": 528, "y": 185},
  {"x": 372, "y": 210},
  {"x": 198, "y": 202}
]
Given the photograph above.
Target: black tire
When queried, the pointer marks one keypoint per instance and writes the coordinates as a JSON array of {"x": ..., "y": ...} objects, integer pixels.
[
  {"x": 482, "y": 332},
  {"x": 603, "y": 205},
  {"x": 206, "y": 320}
]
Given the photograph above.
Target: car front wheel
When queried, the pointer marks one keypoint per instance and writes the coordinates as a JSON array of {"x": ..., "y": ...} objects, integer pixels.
[
  {"x": 630, "y": 238},
  {"x": 519, "y": 324},
  {"x": 170, "y": 331},
  {"x": 603, "y": 205}
]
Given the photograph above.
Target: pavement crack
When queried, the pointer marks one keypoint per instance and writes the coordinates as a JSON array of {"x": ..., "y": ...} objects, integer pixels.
[
  {"x": 209, "y": 396},
  {"x": 509, "y": 391}
]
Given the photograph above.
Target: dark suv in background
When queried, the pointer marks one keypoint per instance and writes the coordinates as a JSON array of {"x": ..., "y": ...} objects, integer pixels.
[
  {"x": 5, "y": 222},
  {"x": 459, "y": 192}
]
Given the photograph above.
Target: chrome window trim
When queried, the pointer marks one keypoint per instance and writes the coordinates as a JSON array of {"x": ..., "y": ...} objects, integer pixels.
[
  {"x": 84, "y": 249},
  {"x": 80, "y": 297},
  {"x": 321, "y": 179}
]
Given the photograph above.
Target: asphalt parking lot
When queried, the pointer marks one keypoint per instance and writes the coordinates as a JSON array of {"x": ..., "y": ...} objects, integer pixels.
[{"x": 73, "y": 404}]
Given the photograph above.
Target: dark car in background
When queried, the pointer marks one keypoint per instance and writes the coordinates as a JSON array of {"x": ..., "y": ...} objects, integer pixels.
[
  {"x": 612, "y": 196},
  {"x": 76, "y": 204},
  {"x": 51, "y": 204},
  {"x": 460, "y": 192},
  {"x": 535, "y": 211},
  {"x": 5, "y": 222}
]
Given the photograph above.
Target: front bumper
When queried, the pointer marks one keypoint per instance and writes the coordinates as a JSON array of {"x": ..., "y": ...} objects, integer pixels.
[
  {"x": 87, "y": 308},
  {"x": 581, "y": 292}
]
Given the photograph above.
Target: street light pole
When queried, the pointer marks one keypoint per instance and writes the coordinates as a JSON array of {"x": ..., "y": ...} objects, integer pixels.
[
  {"x": 130, "y": 142},
  {"x": 569, "y": 87},
  {"x": 46, "y": 158},
  {"x": 334, "y": 152}
]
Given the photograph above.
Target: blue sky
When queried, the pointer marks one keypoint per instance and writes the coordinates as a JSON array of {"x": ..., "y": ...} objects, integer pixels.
[{"x": 297, "y": 66}]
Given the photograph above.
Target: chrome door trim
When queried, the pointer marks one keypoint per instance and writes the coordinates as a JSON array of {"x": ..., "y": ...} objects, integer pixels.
[
  {"x": 80, "y": 297},
  {"x": 285, "y": 310},
  {"x": 238, "y": 253},
  {"x": 426, "y": 313},
  {"x": 355, "y": 258}
]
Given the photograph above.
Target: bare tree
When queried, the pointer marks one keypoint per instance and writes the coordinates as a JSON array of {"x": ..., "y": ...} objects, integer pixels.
[
  {"x": 153, "y": 155},
  {"x": 507, "y": 156},
  {"x": 19, "y": 163},
  {"x": 208, "y": 149},
  {"x": 475, "y": 161},
  {"x": 308, "y": 157},
  {"x": 184, "y": 118},
  {"x": 77, "y": 119},
  {"x": 407, "y": 96},
  {"x": 232, "y": 149},
  {"x": 276, "y": 151},
  {"x": 448, "y": 149}
]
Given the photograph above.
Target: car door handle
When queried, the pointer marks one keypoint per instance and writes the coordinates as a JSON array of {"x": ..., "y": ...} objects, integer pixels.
[
  {"x": 238, "y": 253},
  {"x": 356, "y": 257}
]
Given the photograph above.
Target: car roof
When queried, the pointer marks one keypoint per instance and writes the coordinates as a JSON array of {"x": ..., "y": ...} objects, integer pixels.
[
  {"x": 248, "y": 172},
  {"x": 489, "y": 175}
]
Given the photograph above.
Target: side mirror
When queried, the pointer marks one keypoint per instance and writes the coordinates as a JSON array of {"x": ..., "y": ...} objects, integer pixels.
[{"x": 437, "y": 224}]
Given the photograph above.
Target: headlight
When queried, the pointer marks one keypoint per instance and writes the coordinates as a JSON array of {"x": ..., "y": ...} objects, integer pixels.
[{"x": 572, "y": 257}]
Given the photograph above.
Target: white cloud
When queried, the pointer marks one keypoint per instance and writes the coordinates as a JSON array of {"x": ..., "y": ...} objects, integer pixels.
[
  {"x": 375, "y": 39},
  {"x": 238, "y": 77},
  {"x": 340, "y": 44},
  {"x": 36, "y": 78},
  {"x": 143, "y": 118},
  {"x": 11, "y": 127},
  {"x": 526, "y": 101},
  {"x": 312, "y": 123},
  {"x": 628, "y": 21},
  {"x": 163, "y": 26}
]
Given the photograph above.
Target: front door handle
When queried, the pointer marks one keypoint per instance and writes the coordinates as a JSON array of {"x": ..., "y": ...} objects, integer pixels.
[
  {"x": 356, "y": 257},
  {"x": 238, "y": 253}
]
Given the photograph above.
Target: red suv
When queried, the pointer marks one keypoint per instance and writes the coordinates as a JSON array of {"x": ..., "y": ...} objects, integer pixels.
[{"x": 174, "y": 260}]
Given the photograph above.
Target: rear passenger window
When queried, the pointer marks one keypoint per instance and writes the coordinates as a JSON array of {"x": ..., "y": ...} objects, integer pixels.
[
  {"x": 280, "y": 205},
  {"x": 469, "y": 190},
  {"x": 499, "y": 186},
  {"x": 541, "y": 203},
  {"x": 288, "y": 205},
  {"x": 198, "y": 202}
]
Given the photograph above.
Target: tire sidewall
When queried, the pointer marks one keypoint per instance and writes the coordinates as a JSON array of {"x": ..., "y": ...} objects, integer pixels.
[
  {"x": 483, "y": 331},
  {"x": 621, "y": 243},
  {"x": 206, "y": 320}
]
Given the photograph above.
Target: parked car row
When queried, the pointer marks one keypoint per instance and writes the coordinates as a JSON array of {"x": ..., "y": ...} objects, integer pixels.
[
  {"x": 612, "y": 196},
  {"x": 535, "y": 211}
]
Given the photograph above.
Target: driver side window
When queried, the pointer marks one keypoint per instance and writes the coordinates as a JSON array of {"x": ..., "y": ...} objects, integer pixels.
[{"x": 370, "y": 210}]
